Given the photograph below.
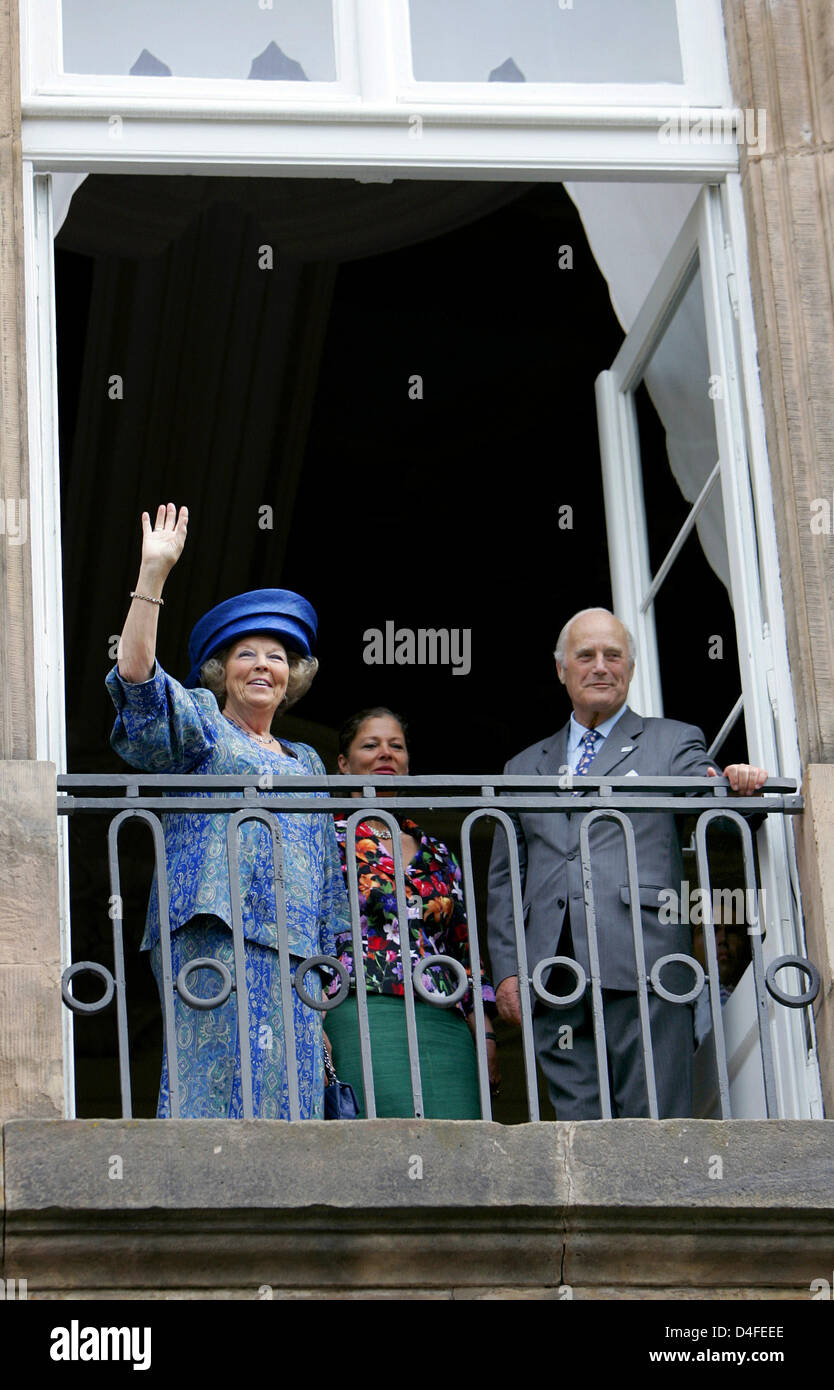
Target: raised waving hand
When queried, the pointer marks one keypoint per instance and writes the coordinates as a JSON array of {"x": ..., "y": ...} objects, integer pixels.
[{"x": 162, "y": 546}]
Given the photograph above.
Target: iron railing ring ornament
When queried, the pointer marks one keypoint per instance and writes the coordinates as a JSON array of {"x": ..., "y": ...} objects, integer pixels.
[
  {"x": 205, "y": 963},
  {"x": 312, "y": 963},
  {"x": 558, "y": 1001},
  {"x": 93, "y": 968},
  {"x": 694, "y": 965},
  {"x": 441, "y": 1001},
  {"x": 793, "y": 1001}
]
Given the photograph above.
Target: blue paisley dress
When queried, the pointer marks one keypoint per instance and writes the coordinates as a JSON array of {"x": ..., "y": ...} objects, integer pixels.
[{"x": 162, "y": 727}]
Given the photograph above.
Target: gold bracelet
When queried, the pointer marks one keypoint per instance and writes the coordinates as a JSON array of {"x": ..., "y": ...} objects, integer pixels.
[{"x": 147, "y": 598}]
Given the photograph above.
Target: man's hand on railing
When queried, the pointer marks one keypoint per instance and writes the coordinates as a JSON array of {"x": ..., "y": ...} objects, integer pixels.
[
  {"x": 743, "y": 779},
  {"x": 507, "y": 1000}
]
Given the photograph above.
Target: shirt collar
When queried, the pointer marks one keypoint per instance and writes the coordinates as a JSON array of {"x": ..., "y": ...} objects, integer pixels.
[{"x": 577, "y": 731}]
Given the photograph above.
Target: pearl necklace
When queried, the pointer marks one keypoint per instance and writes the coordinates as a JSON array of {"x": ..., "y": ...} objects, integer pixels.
[{"x": 262, "y": 738}]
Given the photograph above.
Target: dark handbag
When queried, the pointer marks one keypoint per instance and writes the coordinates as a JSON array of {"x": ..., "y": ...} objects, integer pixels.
[{"x": 340, "y": 1101}]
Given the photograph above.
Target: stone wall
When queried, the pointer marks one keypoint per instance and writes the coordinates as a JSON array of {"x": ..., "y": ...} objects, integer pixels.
[
  {"x": 816, "y": 868},
  {"x": 17, "y": 710},
  {"x": 31, "y": 1048}
]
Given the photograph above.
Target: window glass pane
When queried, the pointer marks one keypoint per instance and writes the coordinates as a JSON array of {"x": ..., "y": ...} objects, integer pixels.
[
  {"x": 678, "y": 451},
  {"x": 545, "y": 41},
  {"x": 292, "y": 40},
  {"x": 683, "y": 393}
]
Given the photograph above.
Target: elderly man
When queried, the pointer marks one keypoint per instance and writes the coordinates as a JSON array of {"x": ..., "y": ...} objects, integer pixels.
[{"x": 595, "y": 662}]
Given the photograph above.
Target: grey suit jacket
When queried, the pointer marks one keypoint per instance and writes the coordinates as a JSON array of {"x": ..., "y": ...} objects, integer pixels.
[{"x": 551, "y": 871}]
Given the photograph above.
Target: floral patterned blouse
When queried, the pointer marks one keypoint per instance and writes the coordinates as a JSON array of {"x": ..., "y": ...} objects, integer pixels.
[{"x": 437, "y": 919}]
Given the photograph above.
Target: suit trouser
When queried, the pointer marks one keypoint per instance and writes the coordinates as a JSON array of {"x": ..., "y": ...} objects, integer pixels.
[
  {"x": 566, "y": 1051},
  {"x": 571, "y": 1070}
]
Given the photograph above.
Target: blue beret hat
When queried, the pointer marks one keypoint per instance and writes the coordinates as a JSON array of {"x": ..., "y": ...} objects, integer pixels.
[{"x": 279, "y": 612}]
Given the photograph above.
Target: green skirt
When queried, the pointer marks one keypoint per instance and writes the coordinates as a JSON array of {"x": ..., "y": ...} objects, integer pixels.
[{"x": 448, "y": 1064}]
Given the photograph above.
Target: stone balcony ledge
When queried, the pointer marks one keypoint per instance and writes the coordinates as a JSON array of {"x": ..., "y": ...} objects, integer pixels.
[{"x": 219, "y": 1209}]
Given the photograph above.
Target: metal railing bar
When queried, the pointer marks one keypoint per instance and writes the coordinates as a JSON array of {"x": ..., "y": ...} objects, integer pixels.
[
  {"x": 359, "y": 974},
  {"x": 118, "y": 952},
  {"x": 475, "y": 964},
  {"x": 754, "y": 931},
  {"x": 639, "y": 957},
  {"x": 206, "y": 805},
  {"x": 527, "y": 1044},
  {"x": 490, "y": 785},
  {"x": 405, "y": 944},
  {"x": 168, "y": 1021},
  {"x": 673, "y": 806},
  {"x": 241, "y": 983}
]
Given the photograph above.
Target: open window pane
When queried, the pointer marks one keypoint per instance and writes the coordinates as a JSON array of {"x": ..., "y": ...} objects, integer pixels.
[
  {"x": 291, "y": 41},
  {"x": 545, "y": 41},
  {"x": 696, "y": 637},
  {"x": 678, "y": 449},
  {"x": 683, "y": 392}
]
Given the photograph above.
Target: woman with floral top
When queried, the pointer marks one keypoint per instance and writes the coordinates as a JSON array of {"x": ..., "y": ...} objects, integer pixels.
[
  {"x": 374, "y": 742},
  {"x": 250, "y": 659}
]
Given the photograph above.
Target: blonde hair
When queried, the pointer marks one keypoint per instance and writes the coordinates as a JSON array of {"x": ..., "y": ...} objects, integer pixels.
[{"x": 302, "y": 674}]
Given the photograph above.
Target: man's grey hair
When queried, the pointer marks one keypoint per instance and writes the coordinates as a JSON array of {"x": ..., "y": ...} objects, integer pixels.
[{"x": 562, "y": 640}]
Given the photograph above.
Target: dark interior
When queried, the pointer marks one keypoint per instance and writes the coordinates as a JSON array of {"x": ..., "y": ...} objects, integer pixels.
[{"x": 244, "y": 388}]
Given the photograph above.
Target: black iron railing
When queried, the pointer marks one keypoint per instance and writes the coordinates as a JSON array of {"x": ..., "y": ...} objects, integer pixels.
[{"x": 149, "y": 797}]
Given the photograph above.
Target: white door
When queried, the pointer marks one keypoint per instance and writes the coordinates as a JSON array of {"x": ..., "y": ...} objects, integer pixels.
[{"x": 687, "y": 347}]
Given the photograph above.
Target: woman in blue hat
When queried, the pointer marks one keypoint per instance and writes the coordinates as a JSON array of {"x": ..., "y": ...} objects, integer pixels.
[{"x": 250, "y": 659}]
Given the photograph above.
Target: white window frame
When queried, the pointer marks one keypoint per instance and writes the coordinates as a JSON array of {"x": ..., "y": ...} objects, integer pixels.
[
  {"x": 375, "y": 121},
  {"x": 705, "y": 80},
  {"x": 706, "y": 238},
  {"x": 42, "y": 75},
  {"x": 366, "y": 130},
  {"x": 45, "y": 534},
  {"x": 366, "y": 32}
]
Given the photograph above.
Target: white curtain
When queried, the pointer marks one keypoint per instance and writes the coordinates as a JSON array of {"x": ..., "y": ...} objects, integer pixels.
[
  {"x": 63, "y": 187},
  {"x": 631, "y": 228}
]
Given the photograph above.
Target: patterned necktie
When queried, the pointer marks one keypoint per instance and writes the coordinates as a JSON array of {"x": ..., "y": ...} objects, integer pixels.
[{"x": 589, "y": 752}]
